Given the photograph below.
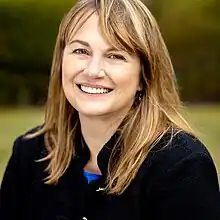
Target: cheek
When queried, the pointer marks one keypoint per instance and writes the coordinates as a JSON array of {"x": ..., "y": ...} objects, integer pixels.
[
  {"x": 127, "y": 78},
  {"x": 67, "y": 69},
  {"x": 72, "y": 67},
  {"x": 67, "y": 76}
]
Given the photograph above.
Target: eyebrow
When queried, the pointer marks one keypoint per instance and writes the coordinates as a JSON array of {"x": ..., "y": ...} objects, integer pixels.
[
  {"x": 80, "y": 42},
  {"x": 86, "y": 44}
]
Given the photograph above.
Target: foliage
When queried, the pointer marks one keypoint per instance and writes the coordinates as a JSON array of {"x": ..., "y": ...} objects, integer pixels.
[
  {"x": 28, "y": 32},
  {"x": 191, "y": 29}
]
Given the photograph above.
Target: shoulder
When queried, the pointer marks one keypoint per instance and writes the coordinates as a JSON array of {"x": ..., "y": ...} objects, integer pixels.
[
  {"x": 21, "y": 164},
  {"x": 172, "y": 148},
  {"x": 179, "y": 172},
  {"x": 25, "y": 147},
  {"x": 20, "y": 173},
  {"x": 179, "y": 154}
]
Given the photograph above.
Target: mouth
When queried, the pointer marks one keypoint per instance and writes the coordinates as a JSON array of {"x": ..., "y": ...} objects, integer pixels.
[{"x": 94, "y": 90}]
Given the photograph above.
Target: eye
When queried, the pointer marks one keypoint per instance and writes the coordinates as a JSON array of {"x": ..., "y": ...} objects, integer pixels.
[
  {"x": 116, "y": 56},
  {"x": 81, "y": 51}
]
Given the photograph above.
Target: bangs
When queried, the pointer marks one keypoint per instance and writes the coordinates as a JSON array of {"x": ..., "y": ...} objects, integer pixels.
[
  {"x": 116, "y": 25},
  {"x": 114, "y": 31},
  {"x": 116, "y": 28},
  {"x": 75, "y": 24},
  {"x": 118, "y": 37}
]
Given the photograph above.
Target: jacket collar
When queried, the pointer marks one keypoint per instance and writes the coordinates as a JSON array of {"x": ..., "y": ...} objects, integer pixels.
[{"x": 83, "y": 153}]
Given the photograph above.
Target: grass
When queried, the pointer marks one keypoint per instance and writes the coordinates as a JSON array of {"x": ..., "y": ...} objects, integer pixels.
[
  {"x": 12, "y": 123},
  {"x": 206, "y": 119}
]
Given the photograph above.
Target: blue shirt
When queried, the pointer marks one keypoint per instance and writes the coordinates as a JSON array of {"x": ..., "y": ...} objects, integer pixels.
[{"x": 91, "y": 176}]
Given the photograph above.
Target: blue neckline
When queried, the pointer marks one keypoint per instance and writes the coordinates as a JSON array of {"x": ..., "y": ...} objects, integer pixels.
[{"x": 91, "y": 176}]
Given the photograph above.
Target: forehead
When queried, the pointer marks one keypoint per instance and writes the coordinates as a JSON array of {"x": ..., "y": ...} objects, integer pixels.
[{"x": 88, "y": 29}]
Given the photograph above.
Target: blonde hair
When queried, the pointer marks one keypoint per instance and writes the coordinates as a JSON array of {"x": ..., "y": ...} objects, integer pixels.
[{"x": 128, "y": 25}]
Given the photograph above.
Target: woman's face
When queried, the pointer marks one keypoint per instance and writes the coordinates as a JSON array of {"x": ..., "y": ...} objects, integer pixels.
[{"x": 98, "y": 79}]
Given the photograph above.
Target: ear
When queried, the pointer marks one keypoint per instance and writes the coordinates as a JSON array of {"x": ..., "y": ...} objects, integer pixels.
[{"x": 140, "y": 86}]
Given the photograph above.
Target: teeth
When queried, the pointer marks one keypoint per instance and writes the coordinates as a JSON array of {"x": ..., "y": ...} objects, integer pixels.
[{"x": 94, "y": 90}]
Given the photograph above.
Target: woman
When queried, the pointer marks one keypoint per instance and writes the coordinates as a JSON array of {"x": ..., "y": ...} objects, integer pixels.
[{"x": 114, "y": 144}]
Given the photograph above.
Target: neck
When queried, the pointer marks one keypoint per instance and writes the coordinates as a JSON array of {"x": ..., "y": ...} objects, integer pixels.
[{"x": 97, "y": 131}]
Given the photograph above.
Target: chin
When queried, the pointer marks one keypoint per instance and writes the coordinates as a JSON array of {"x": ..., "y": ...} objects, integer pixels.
[{"x": 93, "y": 112}]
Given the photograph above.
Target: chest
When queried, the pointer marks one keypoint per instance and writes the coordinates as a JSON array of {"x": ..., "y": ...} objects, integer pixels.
[{"x": 75, "y": 199}]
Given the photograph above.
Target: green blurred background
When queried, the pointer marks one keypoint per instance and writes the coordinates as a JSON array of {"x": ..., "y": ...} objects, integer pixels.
[{"x": 28, "y": 29}]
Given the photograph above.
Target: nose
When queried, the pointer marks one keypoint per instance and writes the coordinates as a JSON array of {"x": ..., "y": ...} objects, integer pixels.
[{"x": 94, "y": 68}]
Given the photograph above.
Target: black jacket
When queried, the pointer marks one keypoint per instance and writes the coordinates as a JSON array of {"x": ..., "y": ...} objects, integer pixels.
[{"x": 175, "y": 183}]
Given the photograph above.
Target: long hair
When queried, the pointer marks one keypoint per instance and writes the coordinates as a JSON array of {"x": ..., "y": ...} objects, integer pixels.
[{"x": 128, "y": 25}]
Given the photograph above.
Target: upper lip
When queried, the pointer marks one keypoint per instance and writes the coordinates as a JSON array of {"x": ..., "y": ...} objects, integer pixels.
[{"x": 94, "y": 85}]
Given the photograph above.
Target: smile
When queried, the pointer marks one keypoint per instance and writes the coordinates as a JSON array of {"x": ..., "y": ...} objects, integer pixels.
[{"x": 92, "y": 90}]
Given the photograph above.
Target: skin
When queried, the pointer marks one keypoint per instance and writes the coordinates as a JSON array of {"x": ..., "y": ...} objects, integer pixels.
[{"x": 90, "y": 61}]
